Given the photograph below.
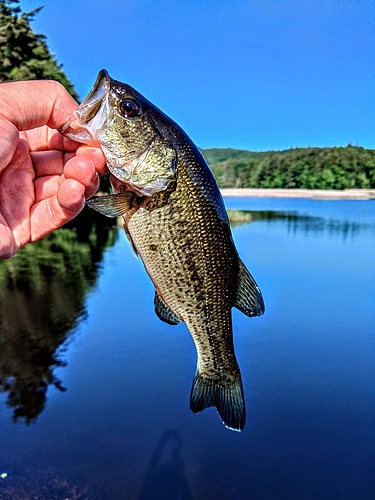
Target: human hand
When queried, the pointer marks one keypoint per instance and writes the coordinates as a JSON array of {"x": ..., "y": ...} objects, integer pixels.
[{"x": 44, "y": 177}]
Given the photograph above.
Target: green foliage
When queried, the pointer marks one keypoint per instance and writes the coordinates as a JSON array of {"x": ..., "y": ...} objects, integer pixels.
[
  {"x": 309, "y": 168},
  {"x": 24, "y": 55}
]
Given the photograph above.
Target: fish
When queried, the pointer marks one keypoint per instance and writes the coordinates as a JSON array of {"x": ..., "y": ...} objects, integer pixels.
[{"x": 175, "y": 220}]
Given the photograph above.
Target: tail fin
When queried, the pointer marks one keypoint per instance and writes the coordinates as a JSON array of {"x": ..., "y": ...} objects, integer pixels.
[{"x": 226, "y": 395}]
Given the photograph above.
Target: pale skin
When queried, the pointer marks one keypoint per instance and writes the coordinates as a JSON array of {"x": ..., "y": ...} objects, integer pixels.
[{"x": 45, "y": 178}]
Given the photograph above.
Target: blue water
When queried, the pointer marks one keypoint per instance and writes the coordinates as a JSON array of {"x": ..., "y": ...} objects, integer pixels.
[{"x": 123, "y": 428}]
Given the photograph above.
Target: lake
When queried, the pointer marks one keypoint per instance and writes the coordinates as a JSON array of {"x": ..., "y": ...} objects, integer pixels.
[{"x": 94, "y": 400}]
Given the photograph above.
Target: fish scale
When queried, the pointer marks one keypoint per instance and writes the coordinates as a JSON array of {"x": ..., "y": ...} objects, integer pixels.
[{"x": 176, "y": 221}]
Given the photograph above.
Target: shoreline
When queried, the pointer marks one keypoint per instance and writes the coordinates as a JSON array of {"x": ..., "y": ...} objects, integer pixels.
[{"x": 315, "y": 194}]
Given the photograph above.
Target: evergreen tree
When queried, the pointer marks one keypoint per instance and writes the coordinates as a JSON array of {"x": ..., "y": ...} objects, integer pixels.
[{"x": 24, "y": 55}]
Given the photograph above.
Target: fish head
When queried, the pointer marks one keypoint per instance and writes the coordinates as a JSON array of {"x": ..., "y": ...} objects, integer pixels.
[{"x": 122, "y": 122}]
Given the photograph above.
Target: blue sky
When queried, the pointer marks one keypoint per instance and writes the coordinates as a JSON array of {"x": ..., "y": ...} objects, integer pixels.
[{"x": 248, "y": 74}]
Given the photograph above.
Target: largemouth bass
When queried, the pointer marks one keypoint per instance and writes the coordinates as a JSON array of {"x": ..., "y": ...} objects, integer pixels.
[{"x": 176, "y": 222}]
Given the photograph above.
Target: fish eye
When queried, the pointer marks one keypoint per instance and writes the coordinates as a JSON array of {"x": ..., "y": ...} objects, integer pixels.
[{"x": 129, "y": 108}]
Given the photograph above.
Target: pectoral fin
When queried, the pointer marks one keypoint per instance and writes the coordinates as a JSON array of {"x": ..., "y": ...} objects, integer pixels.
[
  {"x": 113, "y": 205},
  {"x": 164, "y": 312},
  {"x": 248, "y": 298}
]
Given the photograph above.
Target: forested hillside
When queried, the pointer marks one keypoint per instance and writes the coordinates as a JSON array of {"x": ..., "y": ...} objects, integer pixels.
[
  {"x": 350, "y": 167},
  {"x": 25, "y": 55}
]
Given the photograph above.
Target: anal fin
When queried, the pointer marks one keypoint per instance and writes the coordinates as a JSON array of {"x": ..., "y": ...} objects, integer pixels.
[
  {"x": 164, "y": 312},
  {"x": 248, "y": 298}
]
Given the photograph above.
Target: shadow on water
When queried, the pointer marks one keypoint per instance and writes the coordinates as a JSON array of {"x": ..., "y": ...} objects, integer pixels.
[
  {"x": 42, "y": 294},
  {"x": 301, "y": 223},
  {"x": 166, "y": 479}
]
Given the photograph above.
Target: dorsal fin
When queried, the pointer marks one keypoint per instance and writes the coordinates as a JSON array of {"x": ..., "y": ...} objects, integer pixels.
[{"x": 248, "y": 298}]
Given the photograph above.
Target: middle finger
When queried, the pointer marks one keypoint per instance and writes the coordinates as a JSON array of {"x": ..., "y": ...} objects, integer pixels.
[{"x": 46, "y": 187}]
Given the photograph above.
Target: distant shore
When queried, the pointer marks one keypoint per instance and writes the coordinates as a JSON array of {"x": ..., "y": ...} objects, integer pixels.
[{"x": 317, "y": 194}]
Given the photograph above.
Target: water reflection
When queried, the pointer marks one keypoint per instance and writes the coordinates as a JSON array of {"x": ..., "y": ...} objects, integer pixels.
[
  {"x": 302, "y": 223},
  {"x": 166, "y": 480},
  {"x": 43, "y": 289},
  {"x": 42, "y": 293},
  {"x": 308, "y": 366}
]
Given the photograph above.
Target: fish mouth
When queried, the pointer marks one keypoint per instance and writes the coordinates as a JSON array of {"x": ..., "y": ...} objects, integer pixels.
[{"x": 91, "y": 114}]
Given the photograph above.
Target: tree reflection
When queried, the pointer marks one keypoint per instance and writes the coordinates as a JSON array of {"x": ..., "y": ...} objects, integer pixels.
[
  {"x": 297, "y": 222},
  {"x": 166, "y": 480},
  {"x": 42, "y": 293}
]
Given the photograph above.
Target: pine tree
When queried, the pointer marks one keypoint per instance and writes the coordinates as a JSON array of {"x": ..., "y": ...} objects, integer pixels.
[{"x": 24, "y": 55}]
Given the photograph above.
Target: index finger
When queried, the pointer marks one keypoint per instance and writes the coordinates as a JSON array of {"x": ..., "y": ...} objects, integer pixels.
[
  {"x": 42, "y": 138},
  {"x": 31, "y": 104}
]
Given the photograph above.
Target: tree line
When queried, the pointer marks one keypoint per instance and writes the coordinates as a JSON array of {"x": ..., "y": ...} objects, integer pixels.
[
  {"x": 349, "y": 167},
  {"x": 24, "y": 55}
]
